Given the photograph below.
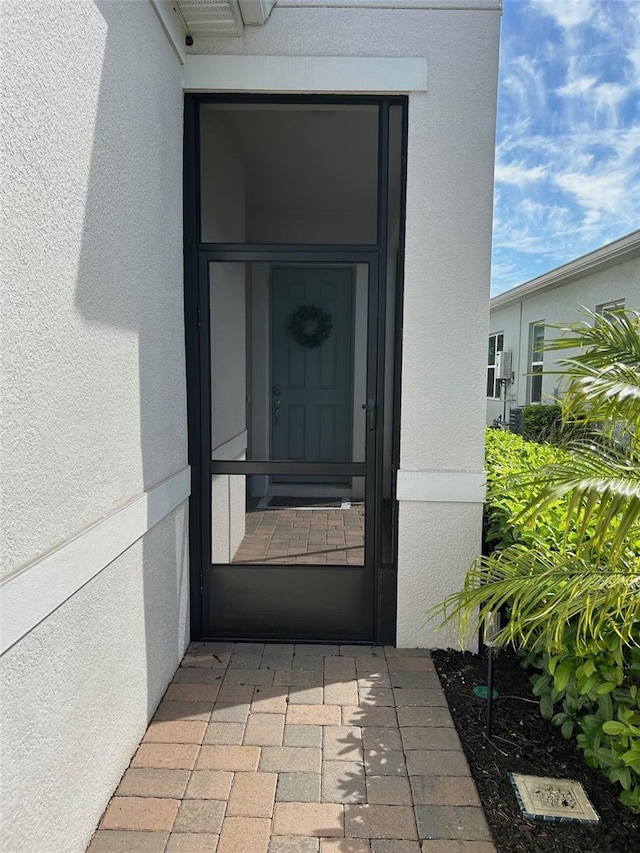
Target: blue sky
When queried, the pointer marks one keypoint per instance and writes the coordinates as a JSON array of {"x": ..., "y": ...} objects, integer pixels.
[{"x": 568, "y": 139}]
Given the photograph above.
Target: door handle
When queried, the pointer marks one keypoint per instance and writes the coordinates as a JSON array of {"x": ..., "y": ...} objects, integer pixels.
[
  {"x": 276, "y": 409},
  {"x": 370, "y": 408}
]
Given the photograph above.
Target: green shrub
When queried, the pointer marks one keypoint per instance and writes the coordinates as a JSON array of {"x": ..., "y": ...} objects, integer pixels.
[{"x": 542, "y": 422}]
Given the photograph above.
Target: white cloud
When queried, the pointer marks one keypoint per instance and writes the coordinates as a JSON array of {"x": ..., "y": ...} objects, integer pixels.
[
  {"x": 518, "y": 173},
  {"x": 566, "y": 13},
  {"x": 577, "y": 86}
]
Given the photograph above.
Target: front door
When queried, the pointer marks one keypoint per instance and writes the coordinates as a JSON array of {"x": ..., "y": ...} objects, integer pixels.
[{"x": 311, "y": 367}]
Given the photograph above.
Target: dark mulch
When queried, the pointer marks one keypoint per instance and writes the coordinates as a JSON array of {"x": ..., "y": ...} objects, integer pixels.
[{"x": 523, "y": 742}]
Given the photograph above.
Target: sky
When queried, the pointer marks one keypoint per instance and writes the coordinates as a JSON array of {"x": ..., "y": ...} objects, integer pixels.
[{"x": 567, "y": 175}]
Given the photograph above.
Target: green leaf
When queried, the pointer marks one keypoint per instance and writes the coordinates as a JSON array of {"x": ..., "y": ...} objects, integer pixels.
[
  {"x": 562, "y": 674},
  {"x": 546, "y": 707},
  {"x": 613, "y": 727},
  {"x": 606, "y": 687}
]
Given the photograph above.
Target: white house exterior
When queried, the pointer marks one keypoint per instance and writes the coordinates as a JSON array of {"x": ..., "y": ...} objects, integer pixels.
[
  {"x": 600, "y": 281},
  {"x": 108, "y": 452}
]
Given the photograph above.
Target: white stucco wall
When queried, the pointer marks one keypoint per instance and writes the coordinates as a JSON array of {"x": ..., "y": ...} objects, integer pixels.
[
  {"x": 558, "y": 304},
  {"x": 448, "y": 241},
  {"x": 93, "y": 403}
]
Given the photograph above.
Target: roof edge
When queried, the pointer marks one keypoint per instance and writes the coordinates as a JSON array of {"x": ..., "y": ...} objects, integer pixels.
[
  {"x": 433, "y": 5},
  {"x": 623, "y": 249}
]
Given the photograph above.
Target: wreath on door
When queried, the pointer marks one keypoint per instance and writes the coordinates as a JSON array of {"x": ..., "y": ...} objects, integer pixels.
[{"x": 310, "y": 326}]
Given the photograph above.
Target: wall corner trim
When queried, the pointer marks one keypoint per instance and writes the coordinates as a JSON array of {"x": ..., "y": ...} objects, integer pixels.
[
  {"x": 173, "y": 26},
  {"x": 441, "y": 486},
  {"x": 38, "y": 589},
  {"x": 302, "y": 74}
]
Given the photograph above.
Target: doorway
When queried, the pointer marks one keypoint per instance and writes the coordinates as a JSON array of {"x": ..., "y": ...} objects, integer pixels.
[{"x": 293, "y": 357}]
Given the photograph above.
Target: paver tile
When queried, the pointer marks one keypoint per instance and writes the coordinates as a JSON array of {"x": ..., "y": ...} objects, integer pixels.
[
  {"x": 387, "y": 845},
  {"x": 452, "y": 822},
  {"x": 252, "y": 795},
  {"x": 368, "y": 716},
  {"x": 245, "y": 661},
  {"x": 389, "y": 790},
  {"x": 458, "y": 847},
  {"x": 251, "y": 677},
  {"x": 342, "y": 743},
  {"x": 298, "y": 678},
  {"x": 264, "y": 730},
  {"x": 224, "y": 734},
  {"x": 315, "y": 649},
  {"x": 229, "y": 758},
  {"x": 424, "y": 716},
  {"x": 293, "y": 844},
  {"x": 306, "y": 696},
  {"x": 200, "y": 816},
  {"x": 343, "y": 782},
  {"x": 215, "y": 648},
  {"x": 338, "y": 667},
  {"x": 192, "y": 692},
  {"x": 436, "y": 762},
  {"x": 407, "y": 696},
  {"x": 152, "y": 782},
  {"x": 230, "y": 712},
  {"x": 269, "y": 700},
  {"x": 315, "y": 819},
  {"x": 198, "y": 675},
  {"x": 177, "y": 710},
  {"x": 290, "y": 759},
  {"x": 388, "y": 762},
  {"x": 377, "y": 696},
  {"x": 175, "y": 731},
  {"x": 444, "y": 791},
  {"x": 379, "y": 821},
  {"x": 192, "y": 842},
  {"x": 369, "y": 680},
  {"x": 381, "y": 738},
  {"x": 140, "y": 813},
  {"x": 427, "y": 678},
  {"x": 407, "y": 664},
  {"x": 179, "y": 756},
  {"x": 244, "y": 834},
  {"x": 298, "y": 788},
  {"x": 117, "y": 841},
  {"x": 344, "y": 845},
  {"x": 219, "y": 661},
  {"x": 430, "y": 737},
  {"x": 314, "y": 715},
  {"x": 308, "y": 662},
  {"x": 303, "y": 735},
  {"x": 209, "y": 785},
  {"x": 393, "y": 652},
  {"x": 238, "y": 693},
  {"x": 341, "y": 693}
]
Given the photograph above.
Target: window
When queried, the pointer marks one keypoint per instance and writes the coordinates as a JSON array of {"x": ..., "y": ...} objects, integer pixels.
[
  {"x": 608, "y": 309},
  {"x": 496, "y": 345},
  {"x": 537, "y": 355}
]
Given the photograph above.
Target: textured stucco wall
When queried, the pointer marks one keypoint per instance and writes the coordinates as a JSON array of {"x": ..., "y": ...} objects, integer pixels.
[
  {"x": 558, "y": 305},
  {"x": 93, "y": 409},
  {"x": 447, "y": 261}
]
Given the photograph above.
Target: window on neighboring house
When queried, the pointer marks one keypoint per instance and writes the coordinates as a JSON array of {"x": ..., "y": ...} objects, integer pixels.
[
  {"x": 536, "y": 360},
  {"x": 608, "y": 309},
  {"x": 496, "y": 345}
]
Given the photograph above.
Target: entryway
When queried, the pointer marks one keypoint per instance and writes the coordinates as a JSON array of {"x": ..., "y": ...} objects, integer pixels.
[{"x": 293, "y": 289}]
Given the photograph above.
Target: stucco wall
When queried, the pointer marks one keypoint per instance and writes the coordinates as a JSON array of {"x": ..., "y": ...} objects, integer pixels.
[
  {"x": 560, "y": 304},
  {"x": 94, "y": 411},
  {"x": 447, "y": 261}
]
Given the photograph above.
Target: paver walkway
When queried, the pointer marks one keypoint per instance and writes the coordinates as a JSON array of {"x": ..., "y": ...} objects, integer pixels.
[
  {"x": 298, "y": 749},
  {"x": 318, "y": 536}
]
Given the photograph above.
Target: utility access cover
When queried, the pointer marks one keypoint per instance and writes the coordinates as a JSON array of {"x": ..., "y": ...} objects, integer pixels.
[{"x": 559, "y": 800}]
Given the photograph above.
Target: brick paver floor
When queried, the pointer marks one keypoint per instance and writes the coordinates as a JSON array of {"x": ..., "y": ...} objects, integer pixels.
[
  {"x": 314, "y": 535},
  {"x": 274, "y": 748}
]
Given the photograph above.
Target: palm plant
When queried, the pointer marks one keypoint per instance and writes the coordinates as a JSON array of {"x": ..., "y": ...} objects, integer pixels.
[{"x": 586, "y": 580}]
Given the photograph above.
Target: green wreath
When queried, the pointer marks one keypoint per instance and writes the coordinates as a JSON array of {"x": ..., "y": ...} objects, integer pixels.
[{"x": 299, "y": 323}]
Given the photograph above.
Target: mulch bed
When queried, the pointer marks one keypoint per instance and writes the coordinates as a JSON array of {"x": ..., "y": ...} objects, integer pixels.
[{"x": 523, "y": 742}]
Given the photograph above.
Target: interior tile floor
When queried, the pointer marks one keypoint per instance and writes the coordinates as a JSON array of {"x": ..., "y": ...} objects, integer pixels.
[
  {"x": 270, "y": 748},
  {"x": 317, "y": 535}
]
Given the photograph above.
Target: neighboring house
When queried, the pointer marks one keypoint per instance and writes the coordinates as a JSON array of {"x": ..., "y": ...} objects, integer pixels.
[
  {"x": 172, "y": 220},
  {"x": 600, "y": 281}
]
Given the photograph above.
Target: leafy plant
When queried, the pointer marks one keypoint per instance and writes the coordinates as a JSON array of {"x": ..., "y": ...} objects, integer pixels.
[
  {"x": 542, "y": 422},
  {"x": 563, "y": 527}
]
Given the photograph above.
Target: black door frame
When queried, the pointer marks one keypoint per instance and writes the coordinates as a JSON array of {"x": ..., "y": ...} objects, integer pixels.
[{"x": 197, "y": 256}]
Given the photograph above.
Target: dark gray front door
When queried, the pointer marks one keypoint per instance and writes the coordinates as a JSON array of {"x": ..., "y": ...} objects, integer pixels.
[{"x": 312, "y": 401}]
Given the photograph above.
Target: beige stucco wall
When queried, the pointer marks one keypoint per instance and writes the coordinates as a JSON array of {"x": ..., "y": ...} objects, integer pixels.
[{"x": 93, "y": 399}]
